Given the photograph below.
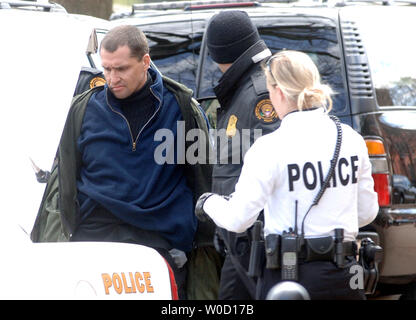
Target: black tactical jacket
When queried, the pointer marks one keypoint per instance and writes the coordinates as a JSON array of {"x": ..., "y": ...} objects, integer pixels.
[{"x": 244, "y": 107}]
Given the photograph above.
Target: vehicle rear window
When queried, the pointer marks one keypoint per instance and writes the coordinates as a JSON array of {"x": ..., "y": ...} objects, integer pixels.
[
  {"x": 391, "y": 49},
  {"x": 174, "y": 48},
  {"x": 315, "y": 38}
]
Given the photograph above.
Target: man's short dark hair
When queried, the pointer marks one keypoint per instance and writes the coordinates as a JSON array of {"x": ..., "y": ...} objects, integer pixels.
[{"x": 126, "y": 35}]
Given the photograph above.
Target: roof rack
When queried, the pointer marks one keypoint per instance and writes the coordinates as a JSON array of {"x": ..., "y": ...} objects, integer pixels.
[
  {"x": 222, "y": 5},
  {"x": 42, "y": 5},
  {"x": 189, "y": 5},
  {"x": 382, "y": 2}
]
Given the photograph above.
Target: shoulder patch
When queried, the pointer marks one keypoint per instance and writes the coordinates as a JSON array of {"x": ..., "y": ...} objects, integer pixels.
[
  {"x": 96, "y": 82},
  {"x": 265, "y": 112}
]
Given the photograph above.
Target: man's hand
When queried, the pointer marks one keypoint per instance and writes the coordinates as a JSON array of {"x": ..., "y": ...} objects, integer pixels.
[{"x": 199, "y": 207}]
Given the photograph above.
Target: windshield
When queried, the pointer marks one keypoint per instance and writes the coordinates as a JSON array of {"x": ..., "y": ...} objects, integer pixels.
[{"x": 388, "y": 39}]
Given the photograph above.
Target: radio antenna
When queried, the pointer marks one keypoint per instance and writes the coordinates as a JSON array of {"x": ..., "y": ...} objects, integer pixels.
[{"x": 296, "y": 217}]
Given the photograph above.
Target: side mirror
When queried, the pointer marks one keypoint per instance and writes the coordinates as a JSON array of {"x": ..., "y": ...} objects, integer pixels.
[
  {"x": 42, "y": 176},
  {"x": 92, "y": 47},
  {"x": 92, "y": 43}
]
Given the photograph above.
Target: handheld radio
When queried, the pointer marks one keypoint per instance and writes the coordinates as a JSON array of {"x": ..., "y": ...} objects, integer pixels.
[{"x": 289, "y": 251}]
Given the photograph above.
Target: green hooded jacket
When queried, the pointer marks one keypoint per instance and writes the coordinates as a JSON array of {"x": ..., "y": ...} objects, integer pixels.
[{"x": 58, "y": 215}]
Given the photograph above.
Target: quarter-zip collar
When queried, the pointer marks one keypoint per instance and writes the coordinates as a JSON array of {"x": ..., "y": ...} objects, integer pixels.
[
  {"x": 157, "y": 87},
  {"x": 156, "y": 90},
  {"x": 133, "y": 99}
]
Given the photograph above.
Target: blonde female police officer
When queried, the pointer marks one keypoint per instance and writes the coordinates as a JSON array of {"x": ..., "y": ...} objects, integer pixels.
[{"x": 283, "y": 172}]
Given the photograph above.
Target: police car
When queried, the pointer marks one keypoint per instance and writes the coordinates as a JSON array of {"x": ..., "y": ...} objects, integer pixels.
[
  {"x": 43, "y": 51},
  {"x": 364, "y": 51}
]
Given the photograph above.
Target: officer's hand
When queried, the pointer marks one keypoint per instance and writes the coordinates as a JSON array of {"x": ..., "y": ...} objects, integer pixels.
[
  {"x": 219, "y": 244},
  {"x": 199, "y": 207}
]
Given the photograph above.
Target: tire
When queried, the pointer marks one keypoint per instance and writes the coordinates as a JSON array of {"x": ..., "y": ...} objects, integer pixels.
[{"x": 410, "y": 292}]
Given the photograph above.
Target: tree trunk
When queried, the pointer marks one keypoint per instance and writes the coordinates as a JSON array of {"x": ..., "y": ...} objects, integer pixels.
[{"x": 97, "y": 8}]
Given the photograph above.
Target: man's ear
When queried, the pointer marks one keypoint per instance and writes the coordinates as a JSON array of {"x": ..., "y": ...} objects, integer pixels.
[{"x": 146, "y": 61}]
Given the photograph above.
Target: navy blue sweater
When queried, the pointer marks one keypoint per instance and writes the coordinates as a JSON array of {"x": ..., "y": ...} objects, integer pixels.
[{"x": 120, "y": 174}]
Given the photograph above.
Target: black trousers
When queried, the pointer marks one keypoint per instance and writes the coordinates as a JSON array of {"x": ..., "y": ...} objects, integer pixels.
[
  {"x": 322, "y": 279},
  {"x": 232, "y": 286},
  {"x": 101, "y": 225}
]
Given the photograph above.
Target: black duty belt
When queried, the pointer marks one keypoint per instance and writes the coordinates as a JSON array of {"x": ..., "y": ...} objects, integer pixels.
[
  {"x": 311, "y": 249},
  {"x": 349, "y": 249}
]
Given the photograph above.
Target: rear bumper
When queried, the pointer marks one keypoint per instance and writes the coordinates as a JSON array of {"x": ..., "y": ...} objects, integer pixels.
[
  {"x": 388, "y": 217},
  {"x": 397, "y": 231}
]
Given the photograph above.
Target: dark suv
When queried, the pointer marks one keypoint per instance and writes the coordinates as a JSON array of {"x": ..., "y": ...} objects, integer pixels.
[{"x": 364, "y": 51}]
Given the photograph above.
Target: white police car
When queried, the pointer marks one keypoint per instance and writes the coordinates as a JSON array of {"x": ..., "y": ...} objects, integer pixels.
[{"x": 43, "y": 50}]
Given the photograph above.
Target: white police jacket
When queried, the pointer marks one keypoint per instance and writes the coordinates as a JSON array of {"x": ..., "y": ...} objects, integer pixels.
[{"x": 290, "y": 164}]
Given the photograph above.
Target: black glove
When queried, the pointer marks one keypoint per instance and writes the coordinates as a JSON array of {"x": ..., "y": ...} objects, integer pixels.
[
  {"x": 199, "y": 207},
  {"x": 219, "y": 244}
]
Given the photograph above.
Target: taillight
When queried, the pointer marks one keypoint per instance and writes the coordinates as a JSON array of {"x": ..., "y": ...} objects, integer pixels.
[
  {"x": 382, "y": 187},
  {"x": 380, "y": 170}
]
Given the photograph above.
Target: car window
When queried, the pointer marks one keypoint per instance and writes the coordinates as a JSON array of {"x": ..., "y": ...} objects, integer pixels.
[
  {"x": 315, "y": 38},
  {"x": 391, "y": 53},
  {"x": 174, "y": 48}
]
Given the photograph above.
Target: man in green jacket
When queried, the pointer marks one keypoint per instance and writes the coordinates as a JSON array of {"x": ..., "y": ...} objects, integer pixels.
[{"x": 109, "y": 181}]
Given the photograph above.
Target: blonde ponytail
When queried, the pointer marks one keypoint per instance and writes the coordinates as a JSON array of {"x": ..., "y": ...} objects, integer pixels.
[
  {"x": 320, "y": 95},
  {"x": 298, "y": 77}
]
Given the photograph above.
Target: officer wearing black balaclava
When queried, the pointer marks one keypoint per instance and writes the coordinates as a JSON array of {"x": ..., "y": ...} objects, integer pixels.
[{"x": 245, "y": 113}]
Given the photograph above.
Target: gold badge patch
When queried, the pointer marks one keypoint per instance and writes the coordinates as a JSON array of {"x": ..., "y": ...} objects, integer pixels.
[
  {"x": 265, "y": 112},
  {"x": 232, "y": 126},
  {"x": 96, "y": 82}
]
